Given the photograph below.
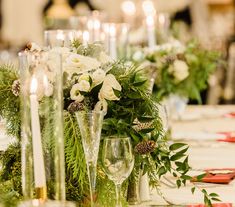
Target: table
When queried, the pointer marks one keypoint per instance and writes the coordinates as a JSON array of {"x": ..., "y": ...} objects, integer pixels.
[{"x": 204, "y": 152}]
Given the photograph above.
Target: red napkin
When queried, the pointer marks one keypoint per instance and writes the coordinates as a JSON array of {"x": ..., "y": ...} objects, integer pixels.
[
  {"x": 220, "y": 178},
  {"x": 229, "y": 137},
  {"x": 214, "y": 205},
  {"x": 230, "y": 115}
]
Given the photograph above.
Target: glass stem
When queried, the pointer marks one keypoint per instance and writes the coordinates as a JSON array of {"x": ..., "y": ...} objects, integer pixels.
[
  {"x": 118, "y": 195},
  {"x": 92, "y": 180}
]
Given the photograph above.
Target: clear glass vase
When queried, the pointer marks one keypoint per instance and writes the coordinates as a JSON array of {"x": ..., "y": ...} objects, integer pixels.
[
  {"x": 60, "y": 38},
  {"x": 133, "y": 193},
  {"x": 90, "y": 125},
  {"x": 43, "y": 172}
]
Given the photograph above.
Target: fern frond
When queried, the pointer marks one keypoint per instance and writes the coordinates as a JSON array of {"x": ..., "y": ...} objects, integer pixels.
[{"x": 76, "y": 172}]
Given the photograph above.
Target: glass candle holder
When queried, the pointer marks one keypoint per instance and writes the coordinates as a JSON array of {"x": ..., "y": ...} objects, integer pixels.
[
  {"x": 91, "y": 23},
  {"x": 60, "y": 38},
  {"x": 115, "y": 39},
  {"x": 43, "y": 172},
  {"x": 163, "y": 27}
]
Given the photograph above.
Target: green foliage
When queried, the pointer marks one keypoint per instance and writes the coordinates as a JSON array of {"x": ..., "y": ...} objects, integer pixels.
[
  {"x": 10, "y": 176},
  {"x": 76, "y": 173},
  {"x": 201, "y": 64},
  {"x": 135, "y": 114},
  {"x": 9, "y": 103}
]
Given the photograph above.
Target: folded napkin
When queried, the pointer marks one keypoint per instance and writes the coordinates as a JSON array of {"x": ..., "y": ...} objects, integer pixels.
[
  {"x": 228, "y": 137},
  {"x": 230, "y": 115},
  {"x": 220, "y": 176},
  {"x": 214, "y": 205}
]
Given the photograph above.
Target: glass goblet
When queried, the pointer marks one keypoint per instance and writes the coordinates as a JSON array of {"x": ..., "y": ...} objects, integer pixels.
[
  {"x": 90, "y": 125},
  {"x": 118, "y": 161}
]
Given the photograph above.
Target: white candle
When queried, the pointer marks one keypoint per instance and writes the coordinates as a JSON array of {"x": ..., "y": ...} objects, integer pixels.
[
  {"x": 60, "y": 38},
  {"x": 85, "y": 37},
  {"x": 148, "y": 8},
  {"x": 144, "y": 188},
  {"x": 39, "y": 169},
  {"x": 112, "y": 41},
  {"x": 96, "y": 30},
  {"x": 129, "y": 10},
  {"x": 151, "y": 36}
]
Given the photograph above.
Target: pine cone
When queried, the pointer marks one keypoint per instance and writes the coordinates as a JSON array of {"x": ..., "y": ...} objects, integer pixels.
[
  {"x": 181, "y": 56},
  {"x": 170, "y": 59},
  {"x": 145, "y": 147},
  {"x": 142, "y": 125},
  {"x": 16, "y": 88},
  {"x": 75, "y": 106}
]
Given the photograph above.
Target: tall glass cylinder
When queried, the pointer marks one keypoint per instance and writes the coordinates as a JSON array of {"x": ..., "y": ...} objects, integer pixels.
[
  {"x": 115, "y": 39},
  {"x": 43, "y": 172},
  {"x": 60, "y": 38}
]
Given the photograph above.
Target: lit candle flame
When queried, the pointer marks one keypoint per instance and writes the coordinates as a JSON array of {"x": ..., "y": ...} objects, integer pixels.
[
  {"x": 150, "y": 21},
  {"x": 34, "y": 85},
  {"x": 161, "y": 19},
  {"x": 112, "y": 30},
  {"x": 128, "y": 7},
  {"x": 148, "y": 8},
  {"x": 96, "y": 24},
  {"x": 60, "y": 35},
  {"x": 85, "y": 37}
]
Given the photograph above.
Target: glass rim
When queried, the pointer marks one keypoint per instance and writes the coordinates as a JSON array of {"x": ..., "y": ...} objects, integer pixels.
[
  {"x": 26, "y": 53},
  {"x": 117, "y": 137},
  {"x": 59, "y": 30},
  {"x": 90, "y": 112}
]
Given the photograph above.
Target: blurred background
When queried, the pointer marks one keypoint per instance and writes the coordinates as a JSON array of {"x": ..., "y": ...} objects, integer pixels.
[{"x": 212, "y": 22}]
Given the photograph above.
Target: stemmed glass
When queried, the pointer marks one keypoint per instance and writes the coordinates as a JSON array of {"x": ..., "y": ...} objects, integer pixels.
[
  {"x": 90, "y": 124},
  {"x": 118, "y": 161}
]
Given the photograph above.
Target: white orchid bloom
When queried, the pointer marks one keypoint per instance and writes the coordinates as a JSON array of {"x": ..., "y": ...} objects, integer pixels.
[
  {"x": 75, "y": 93},
  {"x": 106, "y": 91}
]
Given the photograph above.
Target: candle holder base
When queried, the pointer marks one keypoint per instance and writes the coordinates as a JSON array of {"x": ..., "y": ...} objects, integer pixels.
[{"x": 41, "y": 193}]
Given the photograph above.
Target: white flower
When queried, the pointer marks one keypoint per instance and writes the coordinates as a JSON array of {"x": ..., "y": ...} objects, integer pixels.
[
  {"x": 83, "y": 85},
  {"x": 138, "y": 56},
  {"x": 180, "y": 70},
  {"x": 106, "y": 91},
  {"x": 101, "y": 105},
  {"x": 75, "y": 63},
  {"x": 84, "y": 76},
  {"x": 49, "y": 90},
  {"x": 75, "y": 94},
  {"x": 98, "y": 77},
  {"x": 104, "y": 58},
  {"x": 34, "y": 47},
  {"x": 60, "y": 50},
  {"x": 63, "y": 51}
]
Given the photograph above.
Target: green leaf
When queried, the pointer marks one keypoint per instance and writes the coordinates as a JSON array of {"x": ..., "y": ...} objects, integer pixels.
[
  {"x": 140, "y": 83},
  {"x": 186, "y": 177},
  {"x": 178, "y": 183},
  {"x": 204, "y": 191},
  {"x": 145, "y": 131},
  {"x": 200, "y": 177},
  {"x": 176, "y": 146},
  {"x": 215, "y": 199},
  {"x": 161, "y": 171},
  {"x": 193, "y": 189},
  {"x": 177, "y": 156},
  {"x": 213, "y": 195},
  {"x": 146, "y": 118}
]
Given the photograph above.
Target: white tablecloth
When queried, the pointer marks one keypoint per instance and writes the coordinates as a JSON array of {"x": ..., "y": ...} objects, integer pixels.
[{"x": 198, "y": 128}]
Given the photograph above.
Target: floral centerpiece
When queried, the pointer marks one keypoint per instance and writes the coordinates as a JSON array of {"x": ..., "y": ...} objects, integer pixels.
[
  {"x": 182, "y": 70},
  {"x": 93, "y": 81}
]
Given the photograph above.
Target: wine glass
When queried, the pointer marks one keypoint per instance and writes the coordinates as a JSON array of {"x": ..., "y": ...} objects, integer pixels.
[
  {"x": 90, "y": 125},
  {"x": 118, "y": 161}
]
